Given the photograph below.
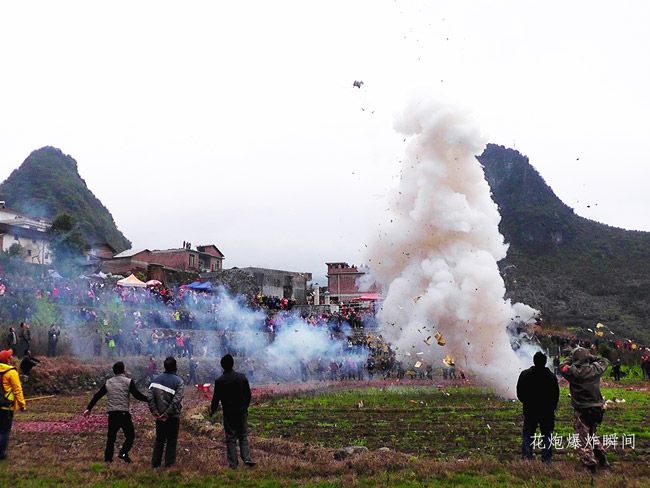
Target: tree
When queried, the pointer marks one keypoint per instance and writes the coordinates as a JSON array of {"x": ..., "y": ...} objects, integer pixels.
[
  {"x": 15, "y": 251},
  {"x": 68, "y": 244}
]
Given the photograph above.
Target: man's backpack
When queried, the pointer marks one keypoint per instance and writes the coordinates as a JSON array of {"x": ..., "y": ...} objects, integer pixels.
[{"x": 4, "y": 401}]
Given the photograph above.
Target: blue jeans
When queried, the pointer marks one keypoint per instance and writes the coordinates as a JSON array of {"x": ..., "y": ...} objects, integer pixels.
[
  {"x": 6, "y": 421},
  {"x": 546, "y": 425}
]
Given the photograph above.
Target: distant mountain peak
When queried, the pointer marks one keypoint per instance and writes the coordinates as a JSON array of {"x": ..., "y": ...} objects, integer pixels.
[
  {"x": 48, "y": 183},
  {"x": 576, "y": 271}
]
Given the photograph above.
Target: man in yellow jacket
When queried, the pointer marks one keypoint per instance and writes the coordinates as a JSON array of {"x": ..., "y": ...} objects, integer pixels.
[{"x": 12, "y": 391}]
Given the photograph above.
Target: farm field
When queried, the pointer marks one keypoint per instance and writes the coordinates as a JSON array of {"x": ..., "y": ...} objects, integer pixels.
[{"x": 416, "y": 435}]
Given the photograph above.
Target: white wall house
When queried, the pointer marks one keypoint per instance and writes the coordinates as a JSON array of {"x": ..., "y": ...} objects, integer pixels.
[{"x": 30, "y": 233}]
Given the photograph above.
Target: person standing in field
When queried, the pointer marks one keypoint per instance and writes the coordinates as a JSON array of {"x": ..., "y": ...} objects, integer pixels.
[
  {"x": 98, "y": 340},
  {"x": 52, "y": 340},
  {"x": 583, "y": 372},
  {"x": 119, "y": 389},
  {"x": 234, "y": 393},
  {"x": 538, "y": 390},
  {"x": 165, "y": 397},
  {"x": 12, "y": 391},
  {"x": 25, "y": 339},
  {"x": 12, "y": 340}
]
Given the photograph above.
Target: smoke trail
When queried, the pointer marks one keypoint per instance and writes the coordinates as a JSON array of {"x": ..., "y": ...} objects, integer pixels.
[{"x": 437, "y": 257}]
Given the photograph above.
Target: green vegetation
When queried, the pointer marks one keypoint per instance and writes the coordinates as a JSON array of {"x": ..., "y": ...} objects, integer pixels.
[
  {"x": 448, "y": 437},
  {"x": 427, "y": 422},
  {"x": 48, "y": 183},
  {"x": 67, "y": 244},
  {"x": 576, "y": 271}
]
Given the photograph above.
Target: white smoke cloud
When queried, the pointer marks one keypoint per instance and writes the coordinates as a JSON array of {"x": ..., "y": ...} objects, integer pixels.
[{"x": 437, "y": 255}]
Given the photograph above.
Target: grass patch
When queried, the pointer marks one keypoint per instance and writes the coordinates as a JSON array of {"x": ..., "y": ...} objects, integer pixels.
[{"x": 453, "y": 437}]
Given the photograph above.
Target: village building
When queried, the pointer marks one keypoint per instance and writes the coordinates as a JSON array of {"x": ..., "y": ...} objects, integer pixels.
[
  {"x": 291, "y": 285},
  {"x": 100, "y": 252},
  {"x": 200, "y": 260},
  {"x": 28, "y": 232},
  {"x": 343, "y": 283}
]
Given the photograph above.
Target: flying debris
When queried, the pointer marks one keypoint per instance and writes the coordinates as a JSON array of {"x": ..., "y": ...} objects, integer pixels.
[
  {"x": 448, "y": 361},
  {"x": 357, "y": 84}
]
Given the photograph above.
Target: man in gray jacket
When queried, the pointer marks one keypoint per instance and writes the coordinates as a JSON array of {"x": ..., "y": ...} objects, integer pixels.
[
  {"x": 165, "y": 397},
  {"x": 583, "y": 372},
  {"x": 119, "y": 389}
]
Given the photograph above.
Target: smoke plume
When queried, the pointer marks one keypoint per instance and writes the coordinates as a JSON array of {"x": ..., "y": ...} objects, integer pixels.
[{"x": 437, "y": 254}]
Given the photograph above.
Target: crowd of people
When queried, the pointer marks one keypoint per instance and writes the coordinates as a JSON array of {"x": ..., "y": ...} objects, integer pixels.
[{"x": 117, "y": 322}]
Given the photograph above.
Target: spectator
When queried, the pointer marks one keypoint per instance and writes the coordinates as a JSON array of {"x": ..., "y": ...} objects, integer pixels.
[
  {"x": 538, "y": 390},
  {"x": 28, "y": 362},
  {"x": 583, "y": 372},
  {"x": 52, "y": 340},
  {"x": 165, "y": 397},
  {"x": 119, "y": 388},
  {"x": 11, "y": 390},
  {"x": 234, "y": 393},
  {"x": 24, "y": 338},
  {"x": 12, "y": 340}
]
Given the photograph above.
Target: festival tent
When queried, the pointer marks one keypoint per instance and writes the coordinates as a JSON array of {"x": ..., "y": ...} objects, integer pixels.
[
  {"x": 197, "y": 285},
  {"x": 132, "y": 282}
]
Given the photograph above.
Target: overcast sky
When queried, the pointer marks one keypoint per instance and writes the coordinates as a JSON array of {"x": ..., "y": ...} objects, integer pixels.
[{"x": 236, "y": 123}]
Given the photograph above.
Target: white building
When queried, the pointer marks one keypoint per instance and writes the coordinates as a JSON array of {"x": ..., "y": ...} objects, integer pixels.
[{"x": 29, "y": 232}]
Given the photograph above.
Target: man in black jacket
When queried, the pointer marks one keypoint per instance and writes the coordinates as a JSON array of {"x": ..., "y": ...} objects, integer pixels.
[
  {"x": 234, "y": 393},
  {"x": 538, "y": 390},
  {"x": 12, "y": 340},
  {"x": 165, "y": 397},
  {"x": 119, "y": 389}
]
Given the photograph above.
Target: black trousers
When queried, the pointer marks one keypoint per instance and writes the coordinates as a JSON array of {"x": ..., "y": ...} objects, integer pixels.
[
  {"x": 236, "y": 429},
  {"x": 546, "y": 422},
  {"x": 166, "y": 438},
  {"x": 117, "y": 421},
  {"x": 6, "y": 421}
]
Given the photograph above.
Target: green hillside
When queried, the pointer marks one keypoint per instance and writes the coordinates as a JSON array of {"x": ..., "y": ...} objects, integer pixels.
[
  {"x": 48, "y": 183},
  {"x": 576, "y": 271}
]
